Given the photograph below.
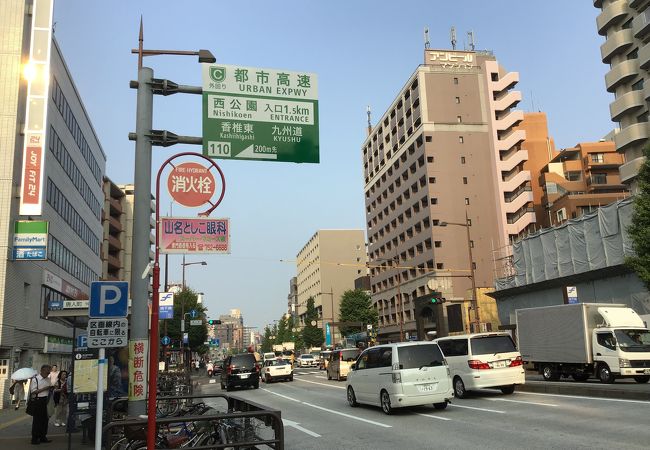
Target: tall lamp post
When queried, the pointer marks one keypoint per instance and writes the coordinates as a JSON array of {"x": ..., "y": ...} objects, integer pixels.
[
  {"x": 184, "y": 264},
  {"x": 203, "y": 263},
  {"x": 471, "y": 267}
]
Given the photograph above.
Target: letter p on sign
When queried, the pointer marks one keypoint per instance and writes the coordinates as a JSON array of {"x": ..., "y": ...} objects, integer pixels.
[{"x": 109, "y": 299}]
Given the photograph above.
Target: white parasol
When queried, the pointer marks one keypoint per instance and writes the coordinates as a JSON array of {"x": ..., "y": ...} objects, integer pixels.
[{"x": 23, "y": 374}]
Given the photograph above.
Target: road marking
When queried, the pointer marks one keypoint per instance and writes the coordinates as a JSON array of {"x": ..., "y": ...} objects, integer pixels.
[
  {"x": 432, "y": 416},
  {"x": 280, "y": 395},
  {"x": 379, "y": 424},
  {"x": 297, "y": 426},
  {"x": 320, "y": 376},
  {"x": 13, "y": 421},
  {"x": 580, "y": 397},
  {"x": 322, "y": 384},
  {"x": 519, "y": 401},
  {"x": 477, "y": 409}
]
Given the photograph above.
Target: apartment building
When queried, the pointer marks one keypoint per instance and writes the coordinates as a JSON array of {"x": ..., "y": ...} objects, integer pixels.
[
  {"x": 292, "y": 299},
  {"x": 327, "y": 266},
  {"x": 114, "y": 243},
  {"x": 625, "y": 24},
  {"x": 446, "y": 152},
  {"x": 579, "y": 180},
  {"x": 53, "y": 166}
]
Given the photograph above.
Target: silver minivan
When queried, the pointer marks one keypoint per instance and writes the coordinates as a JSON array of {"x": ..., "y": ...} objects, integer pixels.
[
  {"x": 482, "y": 360},
  {"x": 401, "y": 374}
]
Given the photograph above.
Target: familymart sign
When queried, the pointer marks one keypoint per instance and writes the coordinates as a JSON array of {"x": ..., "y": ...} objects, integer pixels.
[{"x": 260, "y": 114}]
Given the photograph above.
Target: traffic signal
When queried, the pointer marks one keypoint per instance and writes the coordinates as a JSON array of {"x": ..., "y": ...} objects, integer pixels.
[
  {"x": 437, "y": 300},
  {"x": 214, "y": 322}
]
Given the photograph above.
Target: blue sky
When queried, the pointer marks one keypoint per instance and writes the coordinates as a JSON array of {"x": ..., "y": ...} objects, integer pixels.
[{"x": 363, "y": 52}]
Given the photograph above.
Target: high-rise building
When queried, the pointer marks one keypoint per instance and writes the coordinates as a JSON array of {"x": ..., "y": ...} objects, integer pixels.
[
  {"x": 444, "y": 149},
  {"x": 231, "y": 330},
  {"x": 292, "y": 299},
  {"x": 625, "y": 24},
  {"x": 327, "y": 266},
  {"x": 52, "y": 156}
]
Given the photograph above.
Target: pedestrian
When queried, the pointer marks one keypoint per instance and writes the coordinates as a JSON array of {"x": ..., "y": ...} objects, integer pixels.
[
  {"x": 61, "y": 399},
  {"x": 54, "y": 374},
  {"x": 17, "y": 389},
  {"x": 196, "y": 365},
  {"x": 210, "y": 369},
  {"x": 39, "y": 391}
]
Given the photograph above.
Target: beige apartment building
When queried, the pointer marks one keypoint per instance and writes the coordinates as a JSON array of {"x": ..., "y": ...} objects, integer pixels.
[
  {"x": 327, "y": 266},
  {"x": 625, "y": 24},
  {"x": 445, "y": 148}
]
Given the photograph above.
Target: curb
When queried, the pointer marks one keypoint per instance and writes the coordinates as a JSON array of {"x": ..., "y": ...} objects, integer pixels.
[{"x": 586, "y": 391}]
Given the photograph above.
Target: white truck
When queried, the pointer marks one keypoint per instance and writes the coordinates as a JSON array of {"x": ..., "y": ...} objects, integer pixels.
[{"x": 607, "y": 341}]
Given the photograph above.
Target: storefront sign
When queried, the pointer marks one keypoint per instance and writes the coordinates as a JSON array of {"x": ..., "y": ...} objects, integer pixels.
[
  {"x": 30, "y": 240},
  {"x": 60, "y": 285},
  {"x": 194, "y": 235},
  {"x": 57, "y": 344}
]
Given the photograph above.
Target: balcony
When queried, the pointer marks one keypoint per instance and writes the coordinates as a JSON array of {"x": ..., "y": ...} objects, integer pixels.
[
  {"x": 615, "y": 44},
  {"x": 644, "y": 57},
  {"x": 518, "y": 222},
  {"x": 517, "y": 158},
  {"x": 510, "y": 100},
  {"x": 629, "y": 170},
  {"x": 518, "y": 202},
  {"x": 631, "y": 135},
  {"x": 116, "y": 206},
  {"x": 620, "y": 73},
  {"x": 509, "y": 121},
  {"x": 114, "y": 243},
  {"x": 516, "y": 181},
  {"x": 506, "y": 82},
  {"x": 113, "y": 262},
  {"x": 641, "y": 25},
  {"x": 114, "y": 224},
  {"x": 639, "y": 5},
  {"x": 626, "y": 104},
  {"x": 511, "y": 140},
  {"x": 615, "y": 12}
]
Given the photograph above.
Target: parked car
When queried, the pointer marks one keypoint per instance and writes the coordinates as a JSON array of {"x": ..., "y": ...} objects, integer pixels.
[
  {"x": 398, "y": 375},
  {"x": 482, "y": 360},
  {"x": 324, "y": 359},
  {"x": 277, "y": 370},
  {"x": 307, "y": 360},
  {"x": 240, "y": 370},
  {"x": 340, "y": 362}
]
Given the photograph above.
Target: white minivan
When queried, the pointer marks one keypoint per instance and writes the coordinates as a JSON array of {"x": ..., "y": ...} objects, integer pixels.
[
  {"x": 482, "y": 360},
  {"x": 398, "y": 375}
]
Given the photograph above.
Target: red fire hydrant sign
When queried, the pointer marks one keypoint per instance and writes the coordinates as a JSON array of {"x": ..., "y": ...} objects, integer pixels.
[{"x": 190, "y": 184}]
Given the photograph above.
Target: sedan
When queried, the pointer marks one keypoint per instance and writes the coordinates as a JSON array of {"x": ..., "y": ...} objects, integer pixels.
[{"x": 307, "y": 360}]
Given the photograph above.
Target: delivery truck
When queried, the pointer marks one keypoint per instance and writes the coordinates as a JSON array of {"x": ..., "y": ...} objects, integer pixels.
[{"x": 581, "y": 340}]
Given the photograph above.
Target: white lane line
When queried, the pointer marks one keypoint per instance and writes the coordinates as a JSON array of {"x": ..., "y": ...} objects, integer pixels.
[
  {"x": 379, "y": 424},
  {"x": 455, "y": 405},
  {"x": 519, "y": 401},
  {"x": 296, "y": 425},
  {"x": 320, "y": 376},
  {"x": 581, "y": 397},
  {"x": 280, "y": 395},
  {"x": 322, "y": 384},
  {"x": 432, "y": 416}
]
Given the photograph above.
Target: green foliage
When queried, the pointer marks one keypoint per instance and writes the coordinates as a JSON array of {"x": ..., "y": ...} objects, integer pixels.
[
  {"x": 311, "y": 335},
  {"x": 639, "y": 230},
  {"x": 267, "y": 344},
  {"x": 356, "y": 306},
  {"x": 185, "y": 301},
  {"x": 283, "y": 333}
]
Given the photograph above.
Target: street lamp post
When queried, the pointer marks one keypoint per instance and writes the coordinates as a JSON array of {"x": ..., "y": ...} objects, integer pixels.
[
  {"x": 203, "y": 263},
  {"x": 471, "y": 267}
]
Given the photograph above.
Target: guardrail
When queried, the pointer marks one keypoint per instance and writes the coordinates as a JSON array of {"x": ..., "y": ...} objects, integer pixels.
[{"x": 238, "y": 410}]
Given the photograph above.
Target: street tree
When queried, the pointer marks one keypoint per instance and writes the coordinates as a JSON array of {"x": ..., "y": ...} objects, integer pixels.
[
  {"x": 356, "y": 306},
  {"x": 311, "y": 335},
  {"x": 639, "y": 230},
  {"x": 283, "y": 333},
  {"x": 185, "y": 301},
  {"x": 267, "y": 344}
]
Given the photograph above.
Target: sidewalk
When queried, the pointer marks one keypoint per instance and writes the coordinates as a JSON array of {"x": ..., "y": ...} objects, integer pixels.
[{"x": 16, "y": 433}]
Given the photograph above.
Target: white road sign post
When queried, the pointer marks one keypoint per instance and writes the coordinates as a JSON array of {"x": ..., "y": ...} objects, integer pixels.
[{"x": 107, "y": 328}]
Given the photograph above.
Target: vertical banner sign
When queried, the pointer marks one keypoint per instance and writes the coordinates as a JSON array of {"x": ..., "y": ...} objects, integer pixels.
[
  {"x": 37, "y": 73},
  {"x": 328, "y": 335},
  {"x": 138, "y": 357},
  {"x": 166, "y": 305},
  {"x": 260, "y": 114}
]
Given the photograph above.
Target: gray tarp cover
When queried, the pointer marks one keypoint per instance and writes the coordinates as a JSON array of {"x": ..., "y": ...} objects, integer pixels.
[{"x": 594, "y": 241}]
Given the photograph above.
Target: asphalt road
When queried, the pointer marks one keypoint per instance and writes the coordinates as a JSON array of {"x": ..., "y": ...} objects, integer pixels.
[{"x": 317, "y": 416}]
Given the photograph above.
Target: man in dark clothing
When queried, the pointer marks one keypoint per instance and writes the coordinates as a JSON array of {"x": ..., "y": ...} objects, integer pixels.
[{"x": 39, "y": 391}]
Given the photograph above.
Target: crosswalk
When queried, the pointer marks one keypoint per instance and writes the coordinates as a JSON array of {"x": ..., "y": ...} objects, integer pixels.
[{"x": 311, "y": 372}]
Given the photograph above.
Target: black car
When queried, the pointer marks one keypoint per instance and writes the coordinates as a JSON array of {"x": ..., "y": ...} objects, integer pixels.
[{"x": 240, "y": 370}]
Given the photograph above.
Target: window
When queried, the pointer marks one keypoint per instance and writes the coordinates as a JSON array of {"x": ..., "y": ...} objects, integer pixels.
[
  {"x": 598, "y": 157},
  {"x": 437, "y": 244},
  {"x": 427, "y": 139},
  {"x": 457, "y": 100},
  {"x": 494, "y": 76},
  {"x": 598, "y": 178},
  {"x": 464, "y": 180},
  {"x": 430, "y": 159},
  {"x": 455, "y": 80},
  {"x": 454, "y": 347},
  {"x": 471, "y": 244},
  {"x": 492, "y": 345},
  {"x": 627, "y": 25},
  {"x": 469, "y": 222},
  {"x": 440, "y": 266},
  {"x": 642, "y": 118},
  {"x": 418, "y": 356},
  {"x": 460, "y": 139},
  {"x": 462, "y": 160},
  {"x": 606, "y": 340},
  {"x": 637, "y": 86},
  {"x": 574, "y": 175},
  {"x": 459, "y": 119},
  {"x": 474, "y": 265},
  {"x": 634, "y": 54},
  {"x": 466, "y": 201},
  {"x": 434, "y": 201},
  {"x": 432, "y": 180}
]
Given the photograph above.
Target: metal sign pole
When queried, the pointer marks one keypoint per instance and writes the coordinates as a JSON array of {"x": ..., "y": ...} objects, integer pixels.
[{"x": 100, "y": 398}]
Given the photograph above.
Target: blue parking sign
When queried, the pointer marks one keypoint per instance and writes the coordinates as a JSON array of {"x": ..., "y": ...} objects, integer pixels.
[{"x": 109, "y": 299}]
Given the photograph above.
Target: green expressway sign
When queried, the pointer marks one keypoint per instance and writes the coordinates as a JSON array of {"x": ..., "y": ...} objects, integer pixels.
[{"x": 260, "y": 114}]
